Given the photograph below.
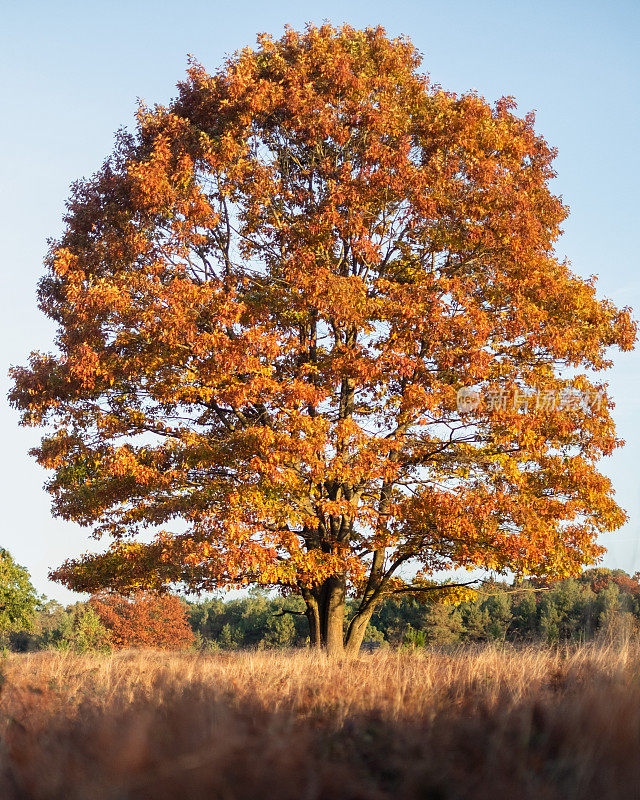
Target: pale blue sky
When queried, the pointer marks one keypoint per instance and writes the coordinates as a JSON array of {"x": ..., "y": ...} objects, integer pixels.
[{"x": 70, "y": 73}]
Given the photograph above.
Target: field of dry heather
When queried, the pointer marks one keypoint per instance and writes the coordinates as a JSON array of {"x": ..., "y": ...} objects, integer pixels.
[{"x": 486, "y": 723}]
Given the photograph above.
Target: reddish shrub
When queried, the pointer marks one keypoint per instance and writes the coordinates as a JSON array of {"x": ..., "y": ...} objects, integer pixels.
[{"x": 144, "y": 620}]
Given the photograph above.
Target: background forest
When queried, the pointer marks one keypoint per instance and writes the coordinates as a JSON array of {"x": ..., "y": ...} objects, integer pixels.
[{"x": 599, "y": 603}]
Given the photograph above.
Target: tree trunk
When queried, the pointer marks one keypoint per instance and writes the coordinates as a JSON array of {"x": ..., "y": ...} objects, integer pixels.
[
  {"x": 325, "y": 611},
  {"x": 313, "y": 615},
  {"x": 356, "y": 631},
  {"x": 326, "y": 608},
  {"x": 332, "y": 609}
]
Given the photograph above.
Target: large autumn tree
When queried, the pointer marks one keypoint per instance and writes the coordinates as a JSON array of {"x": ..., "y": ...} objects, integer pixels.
[{"x": 267, "y": 300}]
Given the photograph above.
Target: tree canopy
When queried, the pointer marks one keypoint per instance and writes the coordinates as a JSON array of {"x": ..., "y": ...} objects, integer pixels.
[
  {"x": 268, "y": 300},
  {"x": 18, "y": 598}
]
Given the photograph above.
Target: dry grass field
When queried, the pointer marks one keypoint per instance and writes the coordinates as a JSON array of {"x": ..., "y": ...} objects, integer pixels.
[{"x": 486, "y": 723}]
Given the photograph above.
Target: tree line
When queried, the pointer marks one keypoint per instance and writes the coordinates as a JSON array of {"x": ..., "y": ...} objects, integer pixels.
[
  {"x": 600, "y": 602},
  {"x": 597, "y": 603}
]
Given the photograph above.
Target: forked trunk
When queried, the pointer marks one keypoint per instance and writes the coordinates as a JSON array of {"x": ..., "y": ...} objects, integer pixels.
[{"x": 326, "y": 608}]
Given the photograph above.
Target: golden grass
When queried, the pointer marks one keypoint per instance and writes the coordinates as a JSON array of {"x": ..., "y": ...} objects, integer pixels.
[{"x": 485, "y": 723}]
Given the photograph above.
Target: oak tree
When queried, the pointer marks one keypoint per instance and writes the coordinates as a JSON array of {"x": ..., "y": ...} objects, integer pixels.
[{"x": 267, "y": 301}]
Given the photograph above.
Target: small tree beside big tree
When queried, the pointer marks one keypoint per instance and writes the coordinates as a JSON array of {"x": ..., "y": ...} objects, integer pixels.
[{"x": 144, "y": 619}]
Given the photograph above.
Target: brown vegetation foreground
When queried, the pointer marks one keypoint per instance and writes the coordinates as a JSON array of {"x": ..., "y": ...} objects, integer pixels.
[{"x": 489, "y": 723}]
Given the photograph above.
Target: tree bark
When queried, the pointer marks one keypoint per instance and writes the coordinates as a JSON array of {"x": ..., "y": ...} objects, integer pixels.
[
  {"x": 356, "y": 631},
  {"x": 326, "y": 607},
  {"x": 313, "y": 615},
  {"x": 332, "y": 610}
]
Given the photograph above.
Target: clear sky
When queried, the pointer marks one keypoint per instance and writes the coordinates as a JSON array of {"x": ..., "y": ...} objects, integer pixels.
[{"x": 70, "y": 73}]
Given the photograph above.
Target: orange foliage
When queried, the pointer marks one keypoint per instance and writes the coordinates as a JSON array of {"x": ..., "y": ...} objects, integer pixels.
[
  {"x": 602, "y": 579},
  {"x": 267, "y": 301},
  {"x": 144, "y": 620}
]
